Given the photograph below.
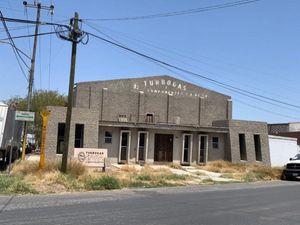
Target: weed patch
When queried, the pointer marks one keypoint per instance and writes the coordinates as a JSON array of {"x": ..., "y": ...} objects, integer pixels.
[
  {"x": 103, "y": 183},
  {"x": 14, "y": 185}
]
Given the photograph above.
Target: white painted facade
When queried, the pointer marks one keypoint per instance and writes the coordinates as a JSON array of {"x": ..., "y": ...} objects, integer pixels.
[
  {"x": 282, "y": 149},
  {"x": 3, "y": 114}
]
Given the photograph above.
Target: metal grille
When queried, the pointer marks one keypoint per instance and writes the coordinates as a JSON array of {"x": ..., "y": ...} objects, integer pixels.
[{"x": 293, "y": 166}]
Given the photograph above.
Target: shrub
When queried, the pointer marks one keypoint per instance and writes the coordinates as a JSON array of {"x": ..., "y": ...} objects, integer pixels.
[
  {"x": 76, "y": 169},
  {"x": 103, "y": 183}
]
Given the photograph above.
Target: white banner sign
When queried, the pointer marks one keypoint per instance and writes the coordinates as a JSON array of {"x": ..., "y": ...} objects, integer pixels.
[{"x": 91, "y": 157}]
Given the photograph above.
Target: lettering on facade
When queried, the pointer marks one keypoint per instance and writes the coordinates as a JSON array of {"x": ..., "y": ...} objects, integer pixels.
[{"x": 166, "y": 86}]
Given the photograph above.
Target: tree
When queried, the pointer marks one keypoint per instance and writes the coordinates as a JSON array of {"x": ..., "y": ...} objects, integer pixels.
[{"x": 40, "y": 100}]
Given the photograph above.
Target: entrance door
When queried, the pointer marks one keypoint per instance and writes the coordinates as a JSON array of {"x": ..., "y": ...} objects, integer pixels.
[
  {"x": 187, "y": 144},
  {"x": 124, "y": 146},
  {"x": 142, "y": 146},
  {"x": 203, "y": 149},
  {"x": 163, "y": 151}
]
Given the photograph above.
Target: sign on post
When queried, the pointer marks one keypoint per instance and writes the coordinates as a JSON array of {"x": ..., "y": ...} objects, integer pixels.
[
  {"x": 91, "y": 157},
  {"x": 24, "y": 116}
]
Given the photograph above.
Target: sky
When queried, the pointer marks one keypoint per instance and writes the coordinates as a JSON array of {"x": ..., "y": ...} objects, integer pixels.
[{"x": 254, "y": 47}]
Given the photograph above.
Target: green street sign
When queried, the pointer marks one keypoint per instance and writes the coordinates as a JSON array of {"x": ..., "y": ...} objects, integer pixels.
[{"x": 24, "y": 116}]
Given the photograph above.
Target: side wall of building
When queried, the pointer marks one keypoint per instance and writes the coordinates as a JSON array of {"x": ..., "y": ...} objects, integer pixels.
[
  {"x": 248, "y": 130},
  {"x": 88, "y": 118}
]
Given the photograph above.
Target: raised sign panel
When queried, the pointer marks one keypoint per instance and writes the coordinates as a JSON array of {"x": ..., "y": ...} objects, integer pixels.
[
  {"x": 24, "y": 116},
  {"x": 91, "y": 157}
]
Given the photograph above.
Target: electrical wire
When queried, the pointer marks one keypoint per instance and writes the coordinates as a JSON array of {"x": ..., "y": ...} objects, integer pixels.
[
  {"x": 40, "y": 58},
  {"x": 216, "y": 82},
  {"x": 50, "y": 54},
  {"x": 265, "y": 110},
  {"x": 168, "y": 52},
  {"x": 14, "y": 20},
  {"x": 31, "y": 35},
  {"x": 29, "y": 43},
  {"x": 16, "y": 28},
  {"x": 14, "y": 47},
  {"x": 23, "y": 53},
  {"x": 179, "y": 13}
]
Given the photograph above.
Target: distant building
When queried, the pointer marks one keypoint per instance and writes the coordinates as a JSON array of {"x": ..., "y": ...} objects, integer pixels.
[
  {"x": 157, "y": 119},
  {"x": 282, "y": 149},
  {"x": 286, "y": 130}
]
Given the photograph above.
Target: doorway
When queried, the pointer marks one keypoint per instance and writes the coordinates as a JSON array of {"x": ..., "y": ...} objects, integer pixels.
[
  {"x": 203, "y": 148},
  {"x": 187, "y": 144},
  {"x": 124, "y": 146},
  {"x": 142, "y": 146},
  {"x": 163, "y": 150}
]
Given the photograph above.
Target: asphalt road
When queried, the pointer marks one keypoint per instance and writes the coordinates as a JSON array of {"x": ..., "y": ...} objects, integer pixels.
[{"x": 276, "y": 203}]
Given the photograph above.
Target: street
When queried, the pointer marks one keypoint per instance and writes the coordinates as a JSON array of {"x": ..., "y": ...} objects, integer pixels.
[{"x": 272, "y": 203}]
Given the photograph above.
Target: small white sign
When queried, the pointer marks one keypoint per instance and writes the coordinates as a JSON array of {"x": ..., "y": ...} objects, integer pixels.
[
  {"x": 91, "y": 157},
  {"x": 24, "y": 116}
]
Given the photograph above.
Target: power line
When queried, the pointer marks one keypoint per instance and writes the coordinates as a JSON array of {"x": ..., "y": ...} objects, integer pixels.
[
  {"x": 23, "y": 53},
  {"x": 14, "y": 20},
  {"x": 50, "y": 54},
  {"x": 14, "y": 47},
  {"x": 224, "y": 85},
  {"x": 167, "y": 52},
  {"x": 33, "y": 35},
  {"x": 29, "y": 44},
  {"x": 265, "y": 110},
  {"x": 180, "y": 13},
  {"x": 16, "y": 28}
]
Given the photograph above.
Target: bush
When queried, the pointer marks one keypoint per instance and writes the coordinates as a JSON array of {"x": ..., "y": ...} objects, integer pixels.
[
  {"x": 76, "y": 169},
  {"x": 103, "y": 183}
]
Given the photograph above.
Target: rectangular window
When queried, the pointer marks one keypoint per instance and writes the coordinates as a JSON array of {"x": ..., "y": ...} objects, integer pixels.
[
  {"x": 257, "y": 146},
  {"x": 124, "y": 147},
  {"x": 242, "y": 143},
  {"x": 186, "y": 148},
  {"x": 203, "y": 147},
  {"x": 149, "y": 118},
  {"x": 60, "y": 138},
  {"x": 215, "y": 142},
  {"x": 79, "y": 134},
  {"x": 108, "y": 137},
  {"x": 142, "y": 146}
]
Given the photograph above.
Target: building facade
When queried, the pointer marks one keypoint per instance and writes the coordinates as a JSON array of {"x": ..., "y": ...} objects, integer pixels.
[{"x": 157, "y": 120}]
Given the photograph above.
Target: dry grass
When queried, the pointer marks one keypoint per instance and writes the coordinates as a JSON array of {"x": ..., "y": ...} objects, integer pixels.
[
  {"x": 244, "y": 172},
  {"x": 29, "y": 179},
  {"x": 78, "y": 178}
]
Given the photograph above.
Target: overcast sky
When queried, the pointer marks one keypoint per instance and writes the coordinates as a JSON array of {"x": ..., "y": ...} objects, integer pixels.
[{"x": 255, "y": 47}]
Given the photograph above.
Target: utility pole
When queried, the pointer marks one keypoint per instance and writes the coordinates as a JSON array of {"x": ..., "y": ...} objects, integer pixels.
[
  {"x": 74, "y": 35},
  {"x": 37, "y": 6}
]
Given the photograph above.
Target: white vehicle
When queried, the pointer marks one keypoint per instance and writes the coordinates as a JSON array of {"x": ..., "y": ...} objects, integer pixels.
[
  {"x": 292, "y": 168},
  {"x": 10, "y": 134}
]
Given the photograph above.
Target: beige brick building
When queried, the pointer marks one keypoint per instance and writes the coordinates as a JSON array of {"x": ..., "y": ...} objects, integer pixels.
[{"x": 157, "y": 120}]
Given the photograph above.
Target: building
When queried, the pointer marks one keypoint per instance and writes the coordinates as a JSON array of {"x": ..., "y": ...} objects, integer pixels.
[
  {"x": 157, "y": 120},
  {"x": 286, "y": 130},
  {"x": 282, "y": 149}
]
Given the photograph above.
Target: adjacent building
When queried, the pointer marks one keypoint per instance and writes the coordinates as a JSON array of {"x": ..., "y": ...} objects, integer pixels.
[
  {"x": 286, "y": 130},
  {"x": 157, "y": 119}
]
